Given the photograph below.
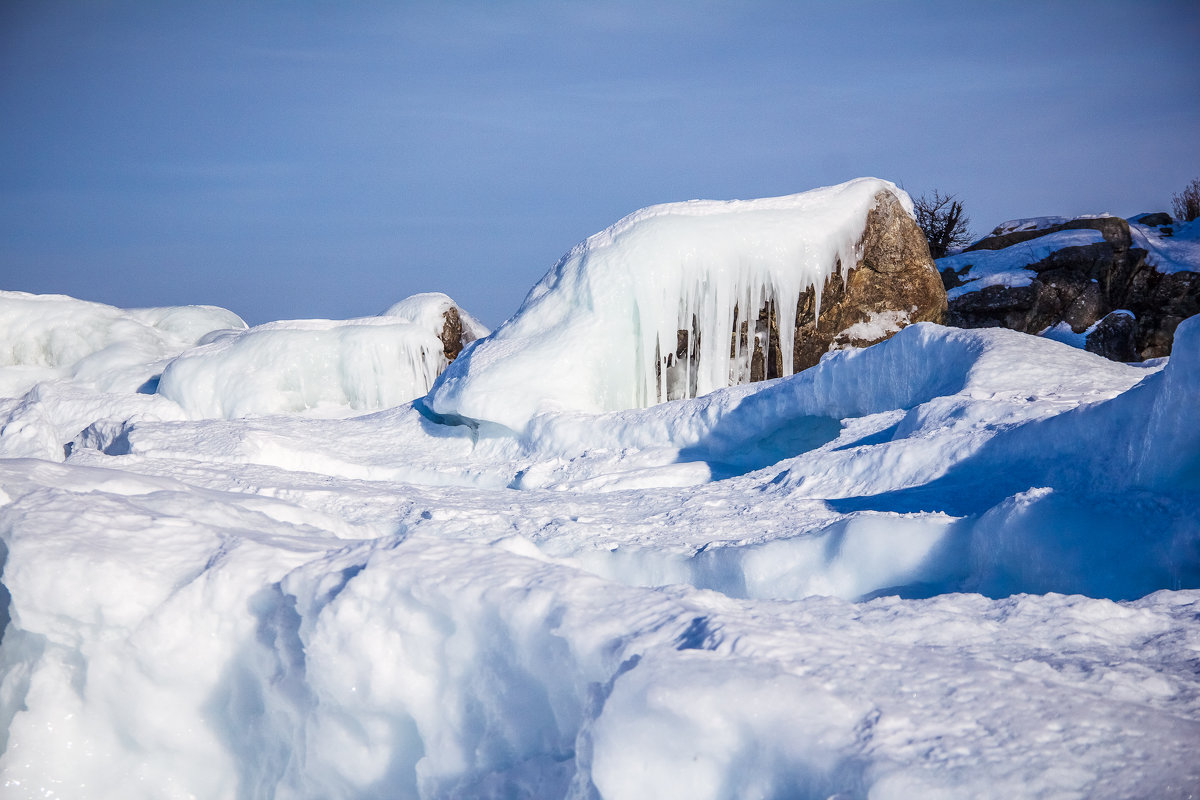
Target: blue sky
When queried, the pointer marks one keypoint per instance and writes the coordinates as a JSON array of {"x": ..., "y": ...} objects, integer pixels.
[{"x": 290, "y": 159}]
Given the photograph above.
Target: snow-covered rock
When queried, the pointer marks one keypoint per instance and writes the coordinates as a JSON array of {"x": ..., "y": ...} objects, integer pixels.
[
  {"x": 647, "y": 310},
  {"x": 1062, "y": 278}
]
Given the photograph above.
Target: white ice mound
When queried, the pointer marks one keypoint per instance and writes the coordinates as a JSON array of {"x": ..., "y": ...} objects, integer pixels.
[
  {"x": 43, "y": 337},
  {"x": 326, "y": 366},
  {"x": 600, "y": 331}
]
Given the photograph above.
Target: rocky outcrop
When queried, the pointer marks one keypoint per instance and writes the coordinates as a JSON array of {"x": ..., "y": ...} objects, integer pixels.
[
  {"x": 1114, "y": 337},
  {"x": 454, "y": 335},
  {"x": 894, "y": 283},
  {"x": 1080, "y": 285},
  {"x": 1114, "y": 230}
]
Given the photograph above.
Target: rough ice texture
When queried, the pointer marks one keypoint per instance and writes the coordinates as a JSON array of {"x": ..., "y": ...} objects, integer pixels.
[
  {"x": 601, "y": 329},
  {"x": 962, "y": 563},
  {"x": 319, "y": 366}
]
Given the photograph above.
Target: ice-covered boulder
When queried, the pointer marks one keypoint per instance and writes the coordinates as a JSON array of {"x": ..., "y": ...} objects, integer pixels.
[
  {"x": 1055, "y": 275},
  {"x": 655, "y": 307},
  {"x": 892, "y": 285},
  {"x": 322, "y": 366}
]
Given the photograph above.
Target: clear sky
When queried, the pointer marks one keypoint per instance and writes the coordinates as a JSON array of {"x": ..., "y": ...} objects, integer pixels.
[{"x": 291, "y": 159}]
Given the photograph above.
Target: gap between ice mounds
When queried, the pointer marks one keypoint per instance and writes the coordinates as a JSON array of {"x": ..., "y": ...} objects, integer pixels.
[
  {"x": 330, "y": 366},
  {"x": 648, "y": 309}
]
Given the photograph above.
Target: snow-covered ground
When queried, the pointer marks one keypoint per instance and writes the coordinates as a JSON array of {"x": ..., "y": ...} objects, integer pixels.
[
  {"x": 1178, "y": 251},
  {"x": 956, "y": 564}
]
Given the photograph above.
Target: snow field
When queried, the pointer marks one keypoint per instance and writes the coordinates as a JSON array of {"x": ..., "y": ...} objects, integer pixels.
[
  {"x": 428, "y": 667},
  {"x": 955, "y": 564}
]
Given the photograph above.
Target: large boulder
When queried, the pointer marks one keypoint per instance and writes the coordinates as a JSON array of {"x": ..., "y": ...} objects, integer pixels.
[
  {"x": 680, "y": 299},
  {"x": 894, "y": 283},
  {"x": 1041, "y": 274}
]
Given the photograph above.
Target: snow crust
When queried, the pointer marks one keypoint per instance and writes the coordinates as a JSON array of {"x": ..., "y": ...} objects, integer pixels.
[
  {"x": 318, "y": 366},
  {"x": 960, "y": 563},
  {"x": 600, "y": 331}
]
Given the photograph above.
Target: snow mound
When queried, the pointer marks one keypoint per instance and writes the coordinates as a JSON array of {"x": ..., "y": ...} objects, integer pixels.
[
  {"x": 317, "y": 366},
  {"x": 600, "y": 331},
  {"x": 45, "y": 337}
]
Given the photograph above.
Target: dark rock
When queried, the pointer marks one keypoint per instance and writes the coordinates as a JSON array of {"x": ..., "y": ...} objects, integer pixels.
[
  {"x": 1080, "y": 286},
  {"x": 1154, "y": 220},
  {"x": 1114, "y": 337}
]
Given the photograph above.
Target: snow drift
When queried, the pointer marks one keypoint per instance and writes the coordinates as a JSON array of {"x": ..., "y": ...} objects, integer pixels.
[{"x": 600, "y": 331}]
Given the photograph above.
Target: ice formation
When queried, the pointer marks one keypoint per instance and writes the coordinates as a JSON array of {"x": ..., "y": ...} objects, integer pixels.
[
  {"x": 318, "y": 366},
  {"x": 600, "y": 332}
]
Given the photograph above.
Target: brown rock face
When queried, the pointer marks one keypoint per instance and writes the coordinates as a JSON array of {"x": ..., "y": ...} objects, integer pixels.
[
  {"x": 455, "y": 335},
  {"x": 1081, "y": 286},
  {"x": 894, "y": 283}
]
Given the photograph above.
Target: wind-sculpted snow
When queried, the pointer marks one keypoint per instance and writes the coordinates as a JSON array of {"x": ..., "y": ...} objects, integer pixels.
[
  {"x": 287, "y": 367},
  {"x": 955, "y": 564},
  {"x": 600, "y": 331}
]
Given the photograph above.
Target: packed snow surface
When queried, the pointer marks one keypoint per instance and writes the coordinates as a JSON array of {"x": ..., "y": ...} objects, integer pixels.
[
  {"x": 960, "y": 563},
  {"x": 600, "y": 331}
]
